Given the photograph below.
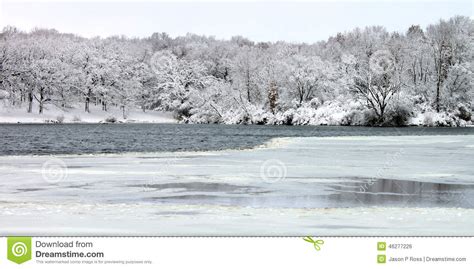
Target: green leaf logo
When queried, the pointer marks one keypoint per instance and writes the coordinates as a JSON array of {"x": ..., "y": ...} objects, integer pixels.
[
  {"x": 19, "y": 249},
  {"x": 316, "y": 243}
]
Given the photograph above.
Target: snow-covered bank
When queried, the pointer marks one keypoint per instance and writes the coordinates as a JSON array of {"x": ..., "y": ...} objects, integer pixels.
[
  {"x": 328, "y": 114},
  {"x": 408, "y": 185},
  {"x": 53, "y": 114},
  {"x": 334, "y": 113}
]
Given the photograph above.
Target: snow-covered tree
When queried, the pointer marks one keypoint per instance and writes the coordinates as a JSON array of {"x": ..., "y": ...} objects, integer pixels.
[
  {"x": 377, "y": 82},
  {"x": 204, "y": 79}
]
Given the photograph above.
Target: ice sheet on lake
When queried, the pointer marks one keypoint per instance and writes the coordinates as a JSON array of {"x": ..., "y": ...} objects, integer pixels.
[{"x": 340, "y": 186}]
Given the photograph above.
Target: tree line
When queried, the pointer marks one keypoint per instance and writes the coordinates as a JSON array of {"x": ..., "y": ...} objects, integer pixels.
[{"x": 362, "y": 77}]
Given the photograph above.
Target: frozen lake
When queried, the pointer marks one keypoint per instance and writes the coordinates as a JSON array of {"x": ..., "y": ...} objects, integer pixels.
[{"x": 414, "y": 184}]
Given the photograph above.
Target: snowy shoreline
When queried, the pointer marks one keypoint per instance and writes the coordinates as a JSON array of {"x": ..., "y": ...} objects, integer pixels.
[
  {"x": 54, "y": 115},
  {"x": 76, "y": 115},
  {"x": 173, "y": 121}
]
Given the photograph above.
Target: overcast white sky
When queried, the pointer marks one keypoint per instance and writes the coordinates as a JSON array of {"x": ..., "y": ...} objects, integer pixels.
[{"x": 260, "y": 21}]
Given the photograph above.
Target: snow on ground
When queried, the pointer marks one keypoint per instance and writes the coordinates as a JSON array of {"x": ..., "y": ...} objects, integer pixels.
[
  {"x": 412, "y": 185},
  {"x": 77, "y": 115}
]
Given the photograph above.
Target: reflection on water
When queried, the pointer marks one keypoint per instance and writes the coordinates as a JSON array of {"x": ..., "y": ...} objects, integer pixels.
[
  {"x": 344, "y": 193},
  {"x": 405, "y": 193},
  {"x": 199, "y": 186}
]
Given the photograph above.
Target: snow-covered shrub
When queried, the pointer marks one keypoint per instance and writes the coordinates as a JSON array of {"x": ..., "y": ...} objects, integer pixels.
[
  {"x": 111, "y": 119},
  {"x": 258, "y": 115},
  {"x": 183, "y": 111},
  {"x": 428, "y": 119},
  {"x": 303, "y": 115},
  {"x": 371, "y": 118},
  {"x": 203, "y": 117},
  {"x": 398, "y": 116},
  {"x": 285, "y": 118},
  {"x": 330, "y": 113},
  {"x": 355, "y": 117},
  {"x": 233, "y": 117},
  {"x": 251, "y": 115},
  {"x": 336, "y": 112},
  {"x": 60, "y": 119},
  {"x": 432, "y": 118},
  {"x": 442, "y": 119},
  {"x": 464, "y": 113}
]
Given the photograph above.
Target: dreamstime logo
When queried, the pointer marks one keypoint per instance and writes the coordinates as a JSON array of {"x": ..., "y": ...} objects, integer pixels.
[
  {"x": 272, "y": 171},
  {"x": 389, "y": 163},
  {"x": 161, "y": 61},
  {"x": 165, "y": 169},
  {"x": 382, "y": 62},
  {"x": 19, "y": 249},
  {"x": 456, "y": 199},
  {"x": 54, "y": 170}
]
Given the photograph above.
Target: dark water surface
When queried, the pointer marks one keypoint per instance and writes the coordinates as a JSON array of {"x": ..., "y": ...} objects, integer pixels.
[{"x": 43, "y": 139}]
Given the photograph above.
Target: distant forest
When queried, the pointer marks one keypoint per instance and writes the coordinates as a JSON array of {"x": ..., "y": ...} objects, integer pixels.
[{"x": 362, "y": 77}]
